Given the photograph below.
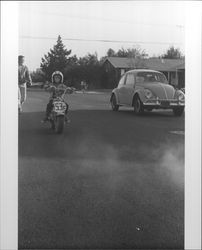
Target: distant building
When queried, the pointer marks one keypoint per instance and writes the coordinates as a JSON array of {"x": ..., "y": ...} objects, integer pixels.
[{"x": 174, "y": 69}]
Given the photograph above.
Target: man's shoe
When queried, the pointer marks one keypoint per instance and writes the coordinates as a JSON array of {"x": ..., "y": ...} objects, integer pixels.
[{"x": 19, "y": 110}]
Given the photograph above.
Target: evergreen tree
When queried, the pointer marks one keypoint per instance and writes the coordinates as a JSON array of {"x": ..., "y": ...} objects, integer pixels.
[{"x": 56, "y": 59}]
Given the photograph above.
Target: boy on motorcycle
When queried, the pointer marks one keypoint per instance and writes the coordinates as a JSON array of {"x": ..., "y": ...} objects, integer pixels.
[{"x": 56, "y": 88}]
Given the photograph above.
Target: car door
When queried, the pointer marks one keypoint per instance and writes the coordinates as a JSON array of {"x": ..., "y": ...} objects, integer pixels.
[
  {"x": 129, "y": 89},
  {"x": 121, "y": 89}
]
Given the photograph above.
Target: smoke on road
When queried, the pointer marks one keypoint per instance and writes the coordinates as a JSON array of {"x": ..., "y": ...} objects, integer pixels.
[
  {"x": 170, "y": 159},
  {"x": 165, "y": 163}
]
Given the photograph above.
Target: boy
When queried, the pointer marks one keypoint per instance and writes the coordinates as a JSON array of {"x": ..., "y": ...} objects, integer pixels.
[{"x": 56, "y": 88}]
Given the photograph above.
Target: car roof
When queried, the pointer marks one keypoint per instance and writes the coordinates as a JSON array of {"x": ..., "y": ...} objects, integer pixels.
[{"x": 141, "y": 70}]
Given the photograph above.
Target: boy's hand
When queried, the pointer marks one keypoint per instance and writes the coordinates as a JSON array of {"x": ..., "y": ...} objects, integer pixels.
[
  {"x": 70, "y": 90},
  {"x": 46, "y": 85},
  {"x": 29, "y": 84}
]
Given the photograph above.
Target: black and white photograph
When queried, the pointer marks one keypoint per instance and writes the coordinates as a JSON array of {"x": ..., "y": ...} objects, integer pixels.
[{"x": 102, "y": 120}]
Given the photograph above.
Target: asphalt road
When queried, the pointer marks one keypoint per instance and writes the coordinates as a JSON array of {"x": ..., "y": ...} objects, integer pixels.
[{"x": 111, "y": 180}]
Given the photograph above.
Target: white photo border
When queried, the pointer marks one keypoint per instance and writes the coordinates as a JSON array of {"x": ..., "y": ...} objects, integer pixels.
[{"x": 9, "y": 126}]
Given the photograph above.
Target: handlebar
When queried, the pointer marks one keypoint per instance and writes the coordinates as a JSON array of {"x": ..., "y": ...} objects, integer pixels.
[{"x": 68, "y": 90}]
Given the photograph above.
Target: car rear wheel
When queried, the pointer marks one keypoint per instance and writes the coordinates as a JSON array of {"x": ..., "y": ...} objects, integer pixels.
[
  {"x": 178, "y": 111},
  {"x": 138, "y": 106},
  {"x": 114, "y": 105}
]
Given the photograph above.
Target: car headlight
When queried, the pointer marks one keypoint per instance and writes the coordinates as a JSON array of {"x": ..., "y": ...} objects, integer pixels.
[
  {"x": 181, "y": 97},
  {"x": 148, "y": 94}
]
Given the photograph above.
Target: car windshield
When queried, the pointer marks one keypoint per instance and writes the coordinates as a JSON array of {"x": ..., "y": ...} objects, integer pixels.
[{"x": 147, "y": 77}]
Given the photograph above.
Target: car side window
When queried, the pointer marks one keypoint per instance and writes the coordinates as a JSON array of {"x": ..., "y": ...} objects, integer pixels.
[
  {"x": 121, "y": 82},
  {"x": 130, "y": 80}
]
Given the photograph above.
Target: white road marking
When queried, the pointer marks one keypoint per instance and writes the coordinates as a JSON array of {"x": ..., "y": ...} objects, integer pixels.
[
  {"x": 179, "y": 132},
  {"x": 89, "y": 92}
]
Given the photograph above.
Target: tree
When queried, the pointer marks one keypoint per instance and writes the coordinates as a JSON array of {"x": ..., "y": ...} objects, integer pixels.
[
  {"x": 89, "y": 59},
  {"x": 56, "y": 59},
  {"x": 90, "y": 69},
  {"x": 136, "y": 52},
  {"x": 38, "y": 76},
  {"x": 173, "y": 53},
  {"x": 70, "y": 72},
  {"x": 85, "y": 68},
  {"x": 122, "y": 53}
]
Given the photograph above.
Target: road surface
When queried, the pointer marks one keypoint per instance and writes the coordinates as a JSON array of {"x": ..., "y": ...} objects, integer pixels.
[{"x": 112, "y": 180}]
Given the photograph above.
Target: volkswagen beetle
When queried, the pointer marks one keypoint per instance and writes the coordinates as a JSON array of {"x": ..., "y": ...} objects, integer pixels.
[{"x": 145, "y": 89}]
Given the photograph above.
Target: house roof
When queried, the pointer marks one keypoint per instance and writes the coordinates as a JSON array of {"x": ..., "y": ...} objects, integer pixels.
[
  {"x": 150, "y": 63},
  {"x": 180, "y": 66},
  {"x": 163, "y": 64},
  {"x": 122, "y": 62}
]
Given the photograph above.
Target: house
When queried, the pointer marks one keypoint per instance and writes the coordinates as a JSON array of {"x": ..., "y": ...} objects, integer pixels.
[
  {"x": 174, "y": 69},
  {"x": 178, "y": 73}
]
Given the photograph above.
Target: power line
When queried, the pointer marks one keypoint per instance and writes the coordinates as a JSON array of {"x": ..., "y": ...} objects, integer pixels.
[{"x": 97, "y": 40}]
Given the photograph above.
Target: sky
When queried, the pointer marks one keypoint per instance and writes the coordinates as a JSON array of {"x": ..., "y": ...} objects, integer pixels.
[{"x": 96, "y": 26}]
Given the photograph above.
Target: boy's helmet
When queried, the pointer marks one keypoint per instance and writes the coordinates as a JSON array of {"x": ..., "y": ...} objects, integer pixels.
[{"x": 58, "y": 73}]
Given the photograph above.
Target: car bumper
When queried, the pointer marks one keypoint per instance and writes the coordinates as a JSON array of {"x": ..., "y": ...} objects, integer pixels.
[{"x": 165, "y": 104}]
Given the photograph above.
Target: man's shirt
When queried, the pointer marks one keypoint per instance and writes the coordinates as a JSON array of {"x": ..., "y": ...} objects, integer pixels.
[{"x": 23, "y": 75}]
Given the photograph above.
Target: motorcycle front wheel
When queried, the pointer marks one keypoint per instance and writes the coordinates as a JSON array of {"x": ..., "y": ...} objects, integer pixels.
[
  {"x": 52, "y": 124},
  {"x": 59, "y": 126}
]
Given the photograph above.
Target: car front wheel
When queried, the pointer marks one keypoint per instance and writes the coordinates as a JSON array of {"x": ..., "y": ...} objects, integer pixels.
[
  {"x": 149, "y": 109},
  {"x": 138, "y": 106},
  {"x": 178, "y": 111},
  {"x": 114, "y": 105}
]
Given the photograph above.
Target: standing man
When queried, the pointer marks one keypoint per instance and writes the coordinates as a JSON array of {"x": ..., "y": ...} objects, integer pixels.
[{"x": 23, "y": 78}]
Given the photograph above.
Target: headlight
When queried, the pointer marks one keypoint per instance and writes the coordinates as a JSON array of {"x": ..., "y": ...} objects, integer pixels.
[
  {"x": 148, "y": 94},
  {"x": 181, "y": 97}
]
